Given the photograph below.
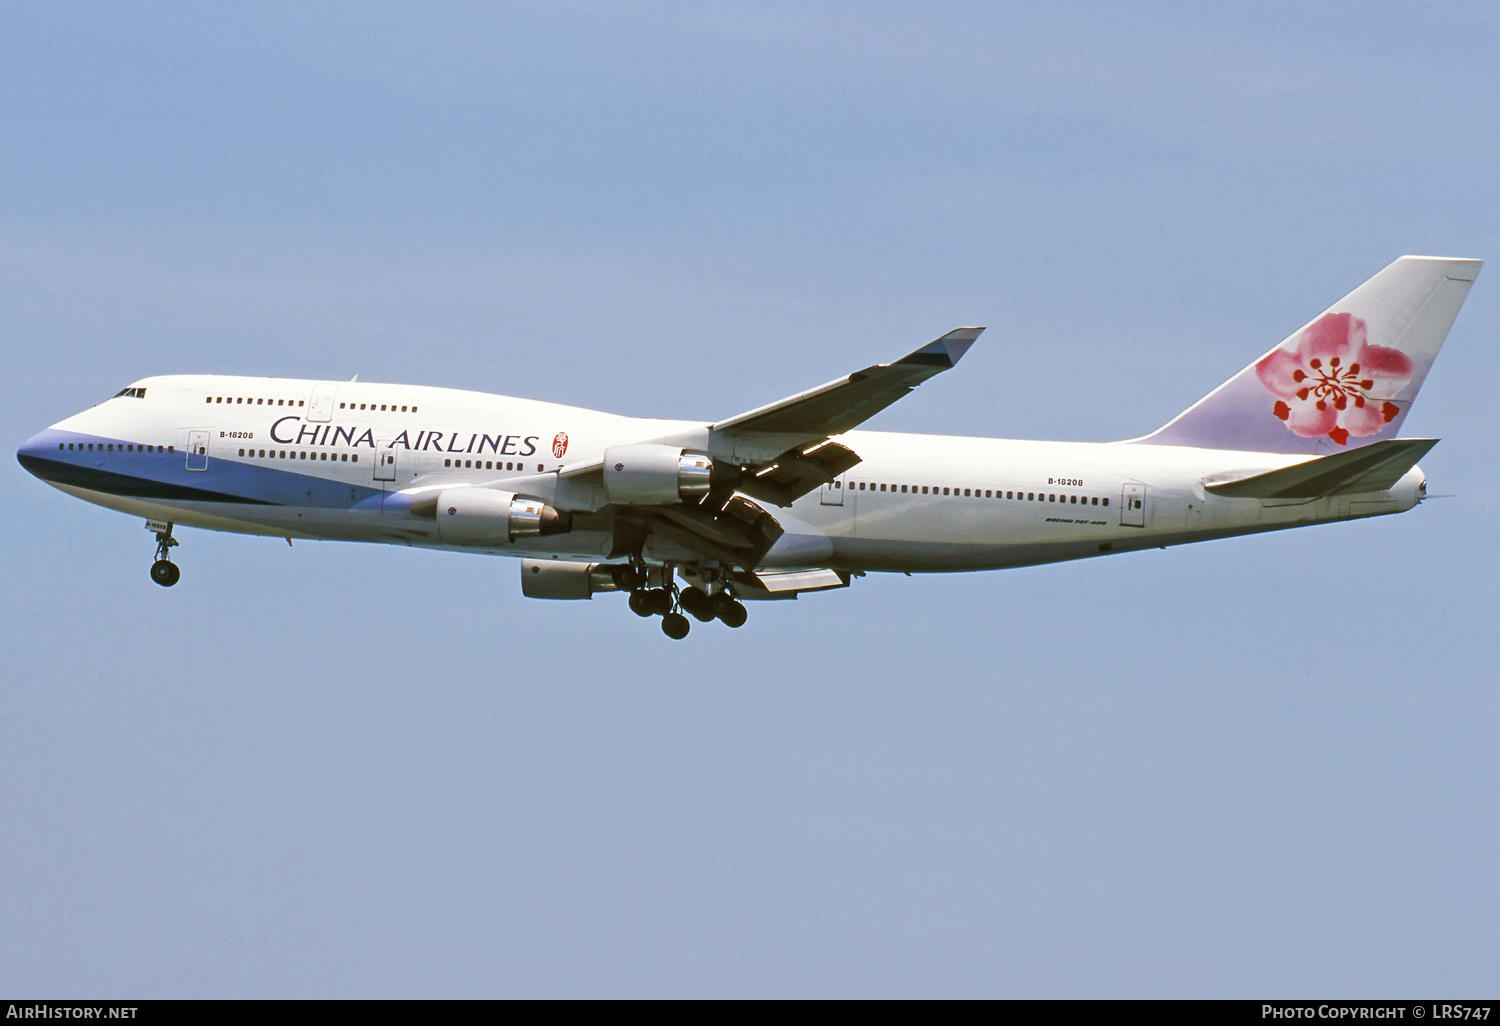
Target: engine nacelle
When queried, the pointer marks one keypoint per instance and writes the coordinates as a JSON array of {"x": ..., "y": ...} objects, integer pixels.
[
  {"x": 647, "y": 474},
  {"x": 483, "y": 516},
  {"x": 559, "y": 579}
]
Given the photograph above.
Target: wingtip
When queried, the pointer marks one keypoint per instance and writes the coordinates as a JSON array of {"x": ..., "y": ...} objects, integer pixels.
[
  {"x": 948, "y": 349},
  {"x": 964, "y": 337}
]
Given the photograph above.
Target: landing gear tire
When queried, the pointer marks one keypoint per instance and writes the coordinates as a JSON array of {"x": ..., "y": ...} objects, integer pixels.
[
  {"x": 734, "y": 615},
  {"x": 697, "y": 604},
  {"x": 165, "y": 573},
  {"x": 641, "y": 603},
  {"x": 675, "y": 626}
]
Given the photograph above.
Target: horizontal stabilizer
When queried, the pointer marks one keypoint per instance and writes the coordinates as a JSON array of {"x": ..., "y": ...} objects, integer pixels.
[{"x": 1373, "y": 468}]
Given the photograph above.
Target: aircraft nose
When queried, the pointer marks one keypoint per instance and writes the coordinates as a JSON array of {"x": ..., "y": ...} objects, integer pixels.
[{"x": 33, "y": 453}]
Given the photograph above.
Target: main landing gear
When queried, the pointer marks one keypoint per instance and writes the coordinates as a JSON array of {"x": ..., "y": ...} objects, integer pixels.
[
  {"x": 703, "y": 607},
  {"x": 671, "y": 602},
  {"x": 164, "y": 572}
]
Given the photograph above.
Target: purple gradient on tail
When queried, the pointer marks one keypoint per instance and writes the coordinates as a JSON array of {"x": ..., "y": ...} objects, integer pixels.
[{"x": 1346, "y": 379}]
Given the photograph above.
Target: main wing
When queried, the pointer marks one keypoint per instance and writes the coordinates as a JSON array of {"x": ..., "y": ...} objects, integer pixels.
[
  {"x": 785, "y": 447},
  {"x": 775, "y": 453}
]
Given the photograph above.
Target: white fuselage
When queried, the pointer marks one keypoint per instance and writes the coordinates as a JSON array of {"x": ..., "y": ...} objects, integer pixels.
[{"x": 339, "y": 460}]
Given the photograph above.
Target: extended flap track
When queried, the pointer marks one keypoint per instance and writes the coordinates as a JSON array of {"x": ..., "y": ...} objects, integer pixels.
[{"x": 738, "y": 532}]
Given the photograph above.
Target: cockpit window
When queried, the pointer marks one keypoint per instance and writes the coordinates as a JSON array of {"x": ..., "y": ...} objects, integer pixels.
[{"x": 131, "y": 393}]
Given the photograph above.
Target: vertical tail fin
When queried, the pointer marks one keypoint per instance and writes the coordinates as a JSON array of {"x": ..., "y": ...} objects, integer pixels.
[{"x": 1344, "y": 380}]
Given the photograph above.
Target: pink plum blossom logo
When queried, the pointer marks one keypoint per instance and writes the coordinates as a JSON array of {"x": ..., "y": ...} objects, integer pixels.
[{"x": 1329, "y": 385}]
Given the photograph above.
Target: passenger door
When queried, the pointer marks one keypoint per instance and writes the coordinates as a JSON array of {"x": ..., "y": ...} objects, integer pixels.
[
  {"x": 197, "y": 449},
  {"x": 385, "y": 465}
]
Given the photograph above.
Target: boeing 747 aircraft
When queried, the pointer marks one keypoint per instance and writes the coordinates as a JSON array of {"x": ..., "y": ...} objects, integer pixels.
[{"x": 693, "y": 518}]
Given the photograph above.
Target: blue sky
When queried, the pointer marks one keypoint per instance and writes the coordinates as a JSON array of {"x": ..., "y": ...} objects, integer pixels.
[{"x": 1265, "y": 766}]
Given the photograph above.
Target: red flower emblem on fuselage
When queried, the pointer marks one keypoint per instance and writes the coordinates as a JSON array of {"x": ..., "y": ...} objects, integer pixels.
[
  {"x": 559, "y": 445},
  {"x": 1331, "y": 383}
]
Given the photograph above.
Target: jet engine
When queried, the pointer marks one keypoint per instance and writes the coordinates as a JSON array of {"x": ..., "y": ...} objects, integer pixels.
[
  {"x": 648, "y": 474},
  {"x": 560, "y": 579},
  {"x": 483, "y": 516}
]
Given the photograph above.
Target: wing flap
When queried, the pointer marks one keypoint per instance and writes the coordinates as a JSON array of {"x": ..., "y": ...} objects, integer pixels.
[
  {"x": 1373, "y": 468},
  {"x": 796, "y": 472},
  {"x": 784, "y": 584},
  {"x": 739, "y": 533}
]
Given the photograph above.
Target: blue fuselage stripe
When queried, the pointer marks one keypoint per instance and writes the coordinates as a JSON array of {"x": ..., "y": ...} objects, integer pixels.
[{"x": 164, "y": 476}]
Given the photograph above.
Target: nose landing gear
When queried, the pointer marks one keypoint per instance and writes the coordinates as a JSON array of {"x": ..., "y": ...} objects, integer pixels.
[{"x": 164, "y": 572}]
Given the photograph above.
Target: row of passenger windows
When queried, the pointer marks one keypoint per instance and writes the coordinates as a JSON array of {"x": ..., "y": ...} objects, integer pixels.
[
  {"x": 242, "y": 401},
  {"x": 112, "y": 447},
  {"x": 382, "y": 407},
  {"x": 979, "y": 493},
  {"x": 286, "y": 454},
  {"x": 233, "y": 401},
  {"x": 489, "y": 464}
]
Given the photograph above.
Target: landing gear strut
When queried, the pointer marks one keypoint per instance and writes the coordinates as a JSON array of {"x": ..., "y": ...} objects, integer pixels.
[{"x": 164, "y": 572}]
